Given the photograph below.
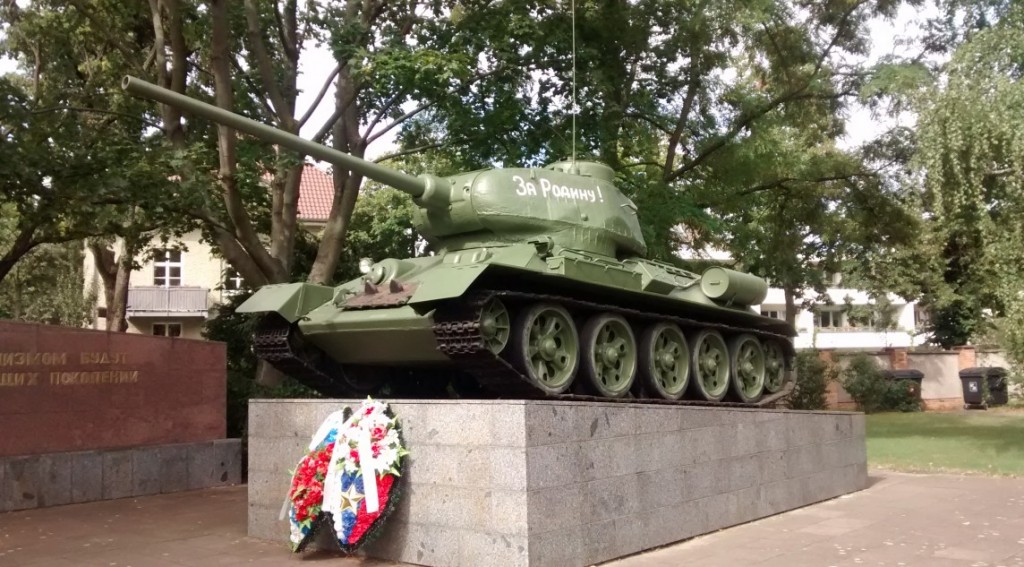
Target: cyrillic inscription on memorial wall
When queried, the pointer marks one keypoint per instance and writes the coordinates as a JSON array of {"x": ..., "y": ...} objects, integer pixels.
[{"x": 25, "y": 369}]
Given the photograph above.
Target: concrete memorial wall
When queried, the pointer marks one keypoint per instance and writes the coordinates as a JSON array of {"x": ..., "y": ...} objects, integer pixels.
[{"x": 89, "y": 415}]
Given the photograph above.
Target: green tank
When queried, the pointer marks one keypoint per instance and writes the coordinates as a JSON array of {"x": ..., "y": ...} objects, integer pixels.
[{"x": 538, "y": 286}]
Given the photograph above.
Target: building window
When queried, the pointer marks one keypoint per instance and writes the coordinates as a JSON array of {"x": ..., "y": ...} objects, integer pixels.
[
  {"x": 167, "y": 268},
  {"x": 167, "y": 329},
  {"x": 233, "y": 282},
  {"x": 771, "y": 313},
  {"x": 922, "y": 318},
  {"x": 828, "y": 319}
]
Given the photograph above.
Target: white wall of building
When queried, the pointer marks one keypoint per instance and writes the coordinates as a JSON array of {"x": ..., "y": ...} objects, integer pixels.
[
  {"x": 845, "y": 334},
  {"x": 200, "y": 268}
]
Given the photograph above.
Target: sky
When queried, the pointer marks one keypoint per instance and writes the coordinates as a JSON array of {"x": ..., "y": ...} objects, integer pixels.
[{"x": 317, "y": 62}]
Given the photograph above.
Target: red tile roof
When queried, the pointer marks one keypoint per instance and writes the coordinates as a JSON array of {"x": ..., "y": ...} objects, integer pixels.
[{"x": 316, "y": 193}]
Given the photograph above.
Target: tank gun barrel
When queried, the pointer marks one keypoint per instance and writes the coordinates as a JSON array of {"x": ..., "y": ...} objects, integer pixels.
[{"x": 420, "y": 188}]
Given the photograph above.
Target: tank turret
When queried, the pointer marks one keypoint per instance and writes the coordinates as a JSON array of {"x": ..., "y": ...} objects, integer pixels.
[
  {"x": 574, "y": 204},
  {"x": 538, "y": 286}
]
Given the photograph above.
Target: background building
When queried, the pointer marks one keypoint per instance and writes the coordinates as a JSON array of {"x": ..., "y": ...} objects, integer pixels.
[{"x": 180, "y": 282}]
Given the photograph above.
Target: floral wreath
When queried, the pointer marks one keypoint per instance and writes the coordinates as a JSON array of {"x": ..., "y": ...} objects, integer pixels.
[{"x": 330, "y": 485}]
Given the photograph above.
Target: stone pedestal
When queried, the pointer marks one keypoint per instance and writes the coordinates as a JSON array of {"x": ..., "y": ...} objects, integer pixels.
[{"x": 529, "y": 483}]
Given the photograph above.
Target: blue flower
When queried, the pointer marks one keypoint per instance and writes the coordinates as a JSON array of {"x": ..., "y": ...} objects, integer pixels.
[{"x": 348, "y": 521}]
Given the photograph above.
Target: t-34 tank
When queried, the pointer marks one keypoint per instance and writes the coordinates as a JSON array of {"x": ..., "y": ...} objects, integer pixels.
[{"x": 538, "y": 287}]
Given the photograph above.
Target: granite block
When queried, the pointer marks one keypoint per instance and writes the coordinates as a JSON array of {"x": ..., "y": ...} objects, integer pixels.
[
  {"x": 858, "y": 425},
  {"x": 146, "y": 471},
  {"x": 55, "y": 479},
  {"x": 497, "y": 550},
  {"x": 664, "y": 525},
  {"x": 555, "y": 508},
  {"x": 554, "y": 465},
  {"x": 550, "y": 424},
  {"x": 603, "y": 421},
  {"x": 263, "y": 522},
  {"x": 269, "y": 452},
  {"x": 742, "y": 472},
  {"x": 424, "y": 544},
  {"x": 700, "y": 480},
  {"x": 658, "y": 420},
  {"x": 450, "y": 506},
  {"x": 610, "y": 498},
  {"x": 772, "y": 466},
  {"x": 663, "y": 450},
  {"x": 213, "y": 464},
  {"x": 117, "y": 474},
  {"x": 660, "y": 488},
  {"x": 563, "y": 547},
  {"x": 611, "y": 538},
  {"x": 616, "y": 456},
  {"x": 174, "y": 468},
  {"x": 691, "y": 417},
  {"x": 22, "y": 474},
  {"x": 86, "y": 476}
]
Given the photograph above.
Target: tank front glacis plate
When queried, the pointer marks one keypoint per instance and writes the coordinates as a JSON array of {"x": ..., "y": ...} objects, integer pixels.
[{"x": 372, "y": 336}]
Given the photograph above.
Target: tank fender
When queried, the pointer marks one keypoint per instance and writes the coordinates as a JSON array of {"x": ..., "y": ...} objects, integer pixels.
[
  {"x": 446, "y": 281},
  {"x": 291, "y": 301}
]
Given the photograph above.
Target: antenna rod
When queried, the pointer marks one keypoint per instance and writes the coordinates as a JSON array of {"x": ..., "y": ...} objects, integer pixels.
[{"x": 572, "y": 4}]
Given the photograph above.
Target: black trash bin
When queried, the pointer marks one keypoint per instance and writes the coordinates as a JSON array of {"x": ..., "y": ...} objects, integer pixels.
[
  {"x": 980, "y": 378},
  {"x": 913, "y": 378}
]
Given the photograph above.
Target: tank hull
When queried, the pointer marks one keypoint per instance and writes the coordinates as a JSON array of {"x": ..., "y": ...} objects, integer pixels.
[{"x": 433, "y": 312}]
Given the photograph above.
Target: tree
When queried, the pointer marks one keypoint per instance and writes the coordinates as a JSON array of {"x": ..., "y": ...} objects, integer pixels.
[
  {"x": 719, "y": 116},
  {"x": 971, "y": 156}
]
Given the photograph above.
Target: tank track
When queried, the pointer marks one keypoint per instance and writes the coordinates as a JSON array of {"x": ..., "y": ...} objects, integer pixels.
[
  {"x": 457, "y": 331},
  {"x": 458, "y": 335},
  {"x": 275, "y": 342}
]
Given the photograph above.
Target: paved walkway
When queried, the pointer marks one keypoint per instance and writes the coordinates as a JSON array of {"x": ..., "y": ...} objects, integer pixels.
[{"x": 927, "y": 520}]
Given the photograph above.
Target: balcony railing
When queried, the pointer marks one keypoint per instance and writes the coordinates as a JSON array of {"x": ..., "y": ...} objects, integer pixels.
[{"x": 168, "y": 302}]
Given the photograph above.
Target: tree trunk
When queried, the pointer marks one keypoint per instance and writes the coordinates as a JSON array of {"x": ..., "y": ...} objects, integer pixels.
[
  {"x": 791, "y": 309},
  {"x": 105, "y": 261},
  {"x": 23, "y": 244},
  {"x": 117, "y": 308}
]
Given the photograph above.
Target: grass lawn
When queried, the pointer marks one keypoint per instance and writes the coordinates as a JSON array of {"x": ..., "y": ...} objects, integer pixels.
[{"x": 986, "y": 442}]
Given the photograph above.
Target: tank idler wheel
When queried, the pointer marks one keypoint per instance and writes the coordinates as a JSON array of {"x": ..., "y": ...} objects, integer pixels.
[
  {"x": 709, "y": 362},
  {"x": 774, "y": 367},
  {"x": 747, "y": 362},
  {"x": 546, "y": 347},
  {"x": 665, "y": 360},
  {"x": 609, "y": 355},
  {"x": 495, "y": 325}
]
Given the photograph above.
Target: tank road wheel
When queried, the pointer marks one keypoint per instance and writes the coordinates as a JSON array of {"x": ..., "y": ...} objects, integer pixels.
[
  {"x": 495, "y": 325},
  {"x": 609, "y": 354},
  {"x": 547, "y": 347},
  {"x": 665, "y": 360},
  {"x": 748, "y": 367},
  {"x": 774, "y": 367},
  {"x": 709, "y": 359}
]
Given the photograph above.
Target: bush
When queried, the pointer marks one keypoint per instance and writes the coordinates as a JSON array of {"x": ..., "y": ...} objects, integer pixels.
[
  {"x": 235, "y": 330},
  {"x": 813, "y": 376},
  {"x": 866, "y": 383}
]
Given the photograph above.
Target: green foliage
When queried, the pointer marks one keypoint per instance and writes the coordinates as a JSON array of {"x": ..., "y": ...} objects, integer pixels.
[
  {"x": 235, "y": 330},
  {"x": 381, "y": 228},
  {"x": 813, "y": 376},
  {"x": 46, "y": 285},
  {"x": 971, "y": 152},
  {"x": 866, "y": 383}
]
